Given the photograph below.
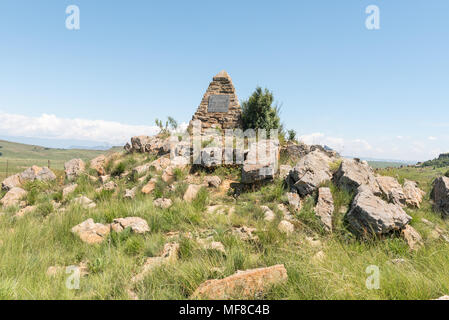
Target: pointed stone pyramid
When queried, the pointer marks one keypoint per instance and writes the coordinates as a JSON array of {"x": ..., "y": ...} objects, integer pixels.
[{"x": 220, "y": 106}]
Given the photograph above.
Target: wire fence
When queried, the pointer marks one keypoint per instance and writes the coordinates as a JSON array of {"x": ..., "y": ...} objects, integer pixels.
[{"x": 12, "y": 166}]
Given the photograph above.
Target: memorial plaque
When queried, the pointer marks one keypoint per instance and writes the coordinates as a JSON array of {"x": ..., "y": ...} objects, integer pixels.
[{"x": 218, "y": 103}]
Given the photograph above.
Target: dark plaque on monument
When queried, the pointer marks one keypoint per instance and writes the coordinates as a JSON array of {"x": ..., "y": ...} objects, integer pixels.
[{"x": 218, "y": 103}]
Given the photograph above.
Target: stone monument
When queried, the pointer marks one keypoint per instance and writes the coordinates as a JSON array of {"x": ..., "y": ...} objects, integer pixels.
[{"x": 220, "y": 106}]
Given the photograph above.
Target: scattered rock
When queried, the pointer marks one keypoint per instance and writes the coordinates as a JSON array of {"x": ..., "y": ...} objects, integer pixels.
[
  {"x": 149, "y": 187},
  {"x": 69, "y": 189},
  {"x": 140, "y": 170},
  {"x": 37, "y": 173},
  {"x": 162, "y": 203},
  {"x": 259, "y": 165},
  {"x": 161, "y": 163},
  {"x": 325, "y": 207},
  {"x": 191, "y": 192},
  {"x": 104, "y": 179},
  {"x": 74, "y": 168},
  {"x": 130, "y": 193},
  {"x": 212, "y": 181},
  {"x": 413, "y": 195},
  {"x": 319, "y": 257},
  {"x": 169, "y": 255},
  {"x": 440, "y": 195},
  {"x": 11, "y": 182},
  {"x": 168, "y": 175},
  {"x": 354, "y": 173},
  {"x": 137, "y": 225},
  {"x": 286, "y": 227},
  {"x": 294, "y": 201},
  {"x": 268, "y": 214},
  {"x": 245, "y": 233},
  {"x": 91, "y": 232},
  {"x": 287, "y": 215},
  {"x": 13, "y": 197},
  {"x": 371, "y": 215},
  {"x": 313, "y": 243},
  {"x": 85, "y": 202},
  {"x": 412, "y": 237},
  {"x": 243, "y": 284},
  {"x": 218, "y": 209},
  {"x": 209, "y": 244},
  {"x": 310, "y": 172},
  {"x": 24, "y": 211},
  {"x": 98, "y": 164},
  {"x": 110, "y": 186}
]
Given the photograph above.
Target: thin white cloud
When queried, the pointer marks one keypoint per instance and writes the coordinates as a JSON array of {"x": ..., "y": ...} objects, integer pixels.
[
  {"x": 49, "y": 126},
  {"x": 432, "y": 138}
]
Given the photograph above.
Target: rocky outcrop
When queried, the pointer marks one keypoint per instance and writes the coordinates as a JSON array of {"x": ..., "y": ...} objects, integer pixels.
[
  {"x": 11, "y": 182},
  {"x": 13, "y": 197},
  {"x": 440, "y": 195},
  {"x": 212, "y": 181},
  {"x": 136, "y": 224},
  {"x": 162, "y": 203},
  {"x": 354, "y": 173},
  {"x": 30, "y": 174},
  {"x": 413, "y": 194},
  {"x": 284, "y": 171},
  {"x": 370, "y": 215},
  {"x": 91, "y": 232},
  {"x": 325, "y": 208},
  {"x": 243, "y": 284},
  {"x": 146, "y": 144},
  {"x": 74, "y": 168},
  {"x": 392, "y": 190},
  {"x": 311, "y": 171},
  {"x": 98, "y": 164},
  {"x": 261, "y": 161},
  {"x": 294, "y": 200}
]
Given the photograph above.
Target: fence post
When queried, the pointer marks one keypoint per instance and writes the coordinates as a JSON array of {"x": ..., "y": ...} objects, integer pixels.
[
  {"x": 6, "y": 169},
  {"x": 48, "y": 163}
]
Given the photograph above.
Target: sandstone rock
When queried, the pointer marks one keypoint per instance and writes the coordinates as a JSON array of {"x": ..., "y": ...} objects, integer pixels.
[
  {"x": 149, "y": 187},
  {"x": 139, "y": 143},
  {"x": 168, "y": 175},
  {"x": 245, "y": 233},
  {"x": 284, "y": 171},
  {"x": 371, "y": 215},
  {"x": 91, "y": 232},
  {"x": 310, "y": 172},
  {"x": 84, "y": 202},
  {"x": 243, "y": 284},
  {"x": 161, "y": 163},
  {"x": 169, "y": 255},
  {"x": 146, "y": 144},
  {"x": 98, "y": 164},
  {"x": 286, "y": 227},
  {"x": 24, "y": 211},
  {"x": 325, "y": 207},
  {"x": 294, "y": 201},
  {"x": 110, "y": 186},
  {"x": 212, "y": 181},
  {"x": 130, "y": 193},
  {"x": 104, "y": 179},
  {"x": 287, "y": 215},
  {"x": 218, "y": 209},
  {"x": 74, "y": 168},
  {"x": 261, "y": 161},
  {"x": 69, "y": 189},
  {"x": 353, "y": 173},
  {"x": 392, "y": 190},
  {"x": 412, "y": 237},
  {"x": 37, "y": 173},
  {"x": 11, "y": 182},
  {"x": 208, "y": 244},
  {"x": 13, "y": 197},
  {"x": 191, "y": 192},
  {"x": 162, "y": 203},
  {"x": 268, "y": 214},
  {"x": 413, "y": 195},
  {"x": 137, "y": 225},
  {"x": 141, "y": 169},
  {"x": 440, "y": 195}
]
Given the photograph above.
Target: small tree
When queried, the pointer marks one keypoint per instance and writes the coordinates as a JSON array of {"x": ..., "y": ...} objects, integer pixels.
[
  {"x": 258, "y": 112},
  {"x": 291, "y": 135}
]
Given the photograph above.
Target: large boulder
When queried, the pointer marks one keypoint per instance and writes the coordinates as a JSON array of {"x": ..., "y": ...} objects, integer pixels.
[
  {"x": 74, "y": 168},
  {"x": 191, "y": 192},
  {"x": 147, "y": 144},
  {"x": 136, "y": 224},
  {"x": 91, "y": 232},
  {"x": 413, "y": 194},
  {"x": 13, "y": 197},
  {"x": 440, "y": 195},
  {"x": 392, "y": 190},
  {"x": 311, "y": 171},
  {"x": 354, "y": 173},
  {"x": 325, "y": 207},
  {"x": 11, "y": 182},
  {"x": 370, "y": 215},
  {"x": 98, "y": 164},
  {"x": 261, "y": 161},
  {"x": 243, "y": 284}
]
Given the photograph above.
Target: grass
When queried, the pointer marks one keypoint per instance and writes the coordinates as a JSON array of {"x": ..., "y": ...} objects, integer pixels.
[{"x": 42, "y": 238}]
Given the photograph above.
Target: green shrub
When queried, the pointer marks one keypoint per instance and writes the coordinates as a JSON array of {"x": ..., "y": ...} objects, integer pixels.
[{"x": 118, "y": 169}]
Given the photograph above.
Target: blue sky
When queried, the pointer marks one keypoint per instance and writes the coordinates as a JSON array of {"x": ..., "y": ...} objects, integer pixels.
[{"x": 371, "y": 93}]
